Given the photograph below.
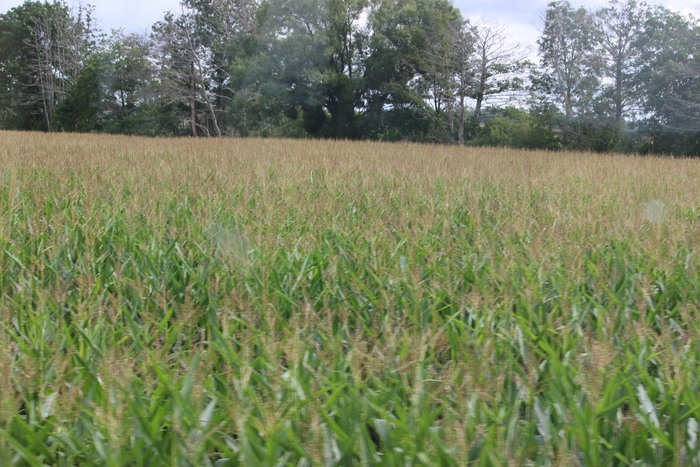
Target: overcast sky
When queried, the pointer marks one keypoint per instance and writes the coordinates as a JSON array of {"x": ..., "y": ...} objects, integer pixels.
[{"x": 521, "y": 17}]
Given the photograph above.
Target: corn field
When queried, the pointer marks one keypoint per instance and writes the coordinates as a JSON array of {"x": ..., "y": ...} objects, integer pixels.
[{"x": 274, "y": 302}]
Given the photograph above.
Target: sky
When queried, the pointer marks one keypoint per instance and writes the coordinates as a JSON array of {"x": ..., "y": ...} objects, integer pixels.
[{"x": 520, "y": 17}]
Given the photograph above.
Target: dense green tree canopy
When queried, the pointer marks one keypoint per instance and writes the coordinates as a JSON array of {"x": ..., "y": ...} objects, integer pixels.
[
  {"x": 625, "y": 76},
  {"x": 43, "y": 48}
]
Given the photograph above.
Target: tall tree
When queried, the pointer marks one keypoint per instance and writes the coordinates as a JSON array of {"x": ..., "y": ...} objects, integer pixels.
[
  {"x": 132, "y": 70},
  {"x": 669, "y": 76},
  {"x": 621, "y": 25},
  {"x": 309, "y": 63},
  {"x": 86, "y": 105},
  {"x": 216, "y": 24},
  {"x": 129, "y": 78},
  {"x": 462, "y": 46},
  {"x": 669, "y": 83},
  {"x": 193, "y": 64},
  {"x": 400, "y": 73},
  {"x": 182, "y": 70},
  {"x": 43, "y": 48},
  {"x": 448, "y": 79},
  {"x": 498, "y": 65},
  {"x": 62, "y": 44},
  {"x": 569, "y": 58}
]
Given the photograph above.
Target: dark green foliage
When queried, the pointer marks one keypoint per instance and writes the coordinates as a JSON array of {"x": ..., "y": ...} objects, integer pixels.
[
  {"x": 21, "y": 96},
  {"x": 84, "y": 110},
  {"x": 516, "y": 128},
  {"x": 399, "y": 64},
  {"x": 623, "y": 77},
  {"x": 665, "y": 142},
  {"x": 43, "y": 49}
]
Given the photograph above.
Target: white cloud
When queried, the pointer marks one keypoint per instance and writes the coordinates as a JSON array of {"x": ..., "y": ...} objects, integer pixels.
[
  {"x": 130, "y": 15},
  {"x": 523, "y": 19},
  {"x": 683, "y": 7}
]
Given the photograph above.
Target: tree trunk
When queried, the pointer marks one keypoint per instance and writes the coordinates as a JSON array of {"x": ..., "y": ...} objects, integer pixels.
[
  {"x": 193, "y": 107},
  {"x": 477, "y": 107},
  {"x": 618, "y": 99},
  {"x": 462, "y": 113}
]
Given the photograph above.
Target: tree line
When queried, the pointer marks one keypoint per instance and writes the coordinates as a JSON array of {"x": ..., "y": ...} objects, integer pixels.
[{"x": 624, "y": 77}]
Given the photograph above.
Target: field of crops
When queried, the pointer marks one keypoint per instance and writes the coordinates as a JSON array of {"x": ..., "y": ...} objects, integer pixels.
[{"x": 261, "y": 302}]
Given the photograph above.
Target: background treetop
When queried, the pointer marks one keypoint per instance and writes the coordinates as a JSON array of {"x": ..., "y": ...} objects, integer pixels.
[{"x": 620, "y": 77}]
